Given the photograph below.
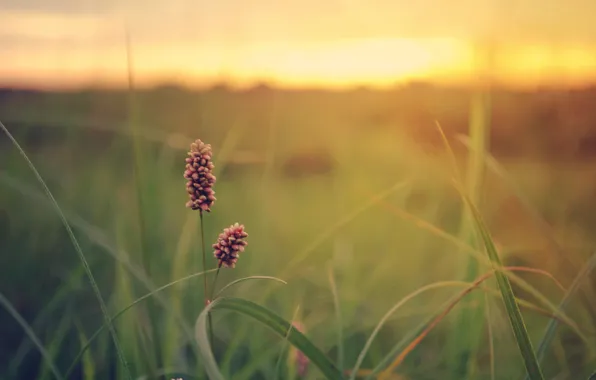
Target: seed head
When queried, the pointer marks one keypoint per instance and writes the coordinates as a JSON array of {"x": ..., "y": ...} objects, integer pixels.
[
  {"x": 199, "y": 177},
  {"x": 229, "y": 245}
]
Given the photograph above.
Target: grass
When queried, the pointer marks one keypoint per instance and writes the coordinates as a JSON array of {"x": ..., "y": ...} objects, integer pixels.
[{"x": 385, "y": 227}]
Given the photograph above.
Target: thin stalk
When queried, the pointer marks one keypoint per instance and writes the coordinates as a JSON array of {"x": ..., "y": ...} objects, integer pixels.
[
  {"x": 151, "y": 309},
  {"x": 214, "y": 282},
  {"x": 211, "y": 299},
  {"x": 78, "y": 249},
  {"x": 205, "y": 299}
]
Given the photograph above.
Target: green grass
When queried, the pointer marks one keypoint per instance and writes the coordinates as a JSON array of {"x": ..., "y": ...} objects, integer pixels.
[{"x": 370, "y": 254}]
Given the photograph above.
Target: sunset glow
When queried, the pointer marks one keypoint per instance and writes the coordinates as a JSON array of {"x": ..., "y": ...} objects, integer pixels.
[{"x": 52, "y": 49}]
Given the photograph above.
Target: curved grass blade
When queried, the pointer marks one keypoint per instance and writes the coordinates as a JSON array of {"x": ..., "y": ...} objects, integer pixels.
[
  {"x": 551, "y": 328},
  {"x": 515, "y": 318},
  {"x": 97, "y": 236},
  {"x": 467, "y": 249},
  {"x": 467, "y": 333},
  {"x": 62, "y": 293},
  {"x": 268, "y": 318},
  {"x": 339, "y": 322},
  {"x": 404, "y": 342},
  {"x": 31, "y": 334},
  {"x": 56, "y": 343},
  {"x": 400, "y": 358},
  {"x": 399, "y": 304},
  {"x": 496, "y": 167},
  {"x": 118, "y": 314},
  {"x": 88, "y": 372},
  {"x": 284, "y": 349},
  {"x": 247, "y": 279},
  {"x": 346, "y": 219},
  {"x": 78, "y": 249}
]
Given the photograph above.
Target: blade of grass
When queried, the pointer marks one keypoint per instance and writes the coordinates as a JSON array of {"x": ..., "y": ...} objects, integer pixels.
[
  {"x": 32, "y": 336},
  {"x": 303, "y": 254},
  {"x": 97, "y": 236},
  {"x": 139, "y": 179},
  {"x": 229, "y": 285},
  {"x": 78, "y": 249},
  {"x": 56, "y": 342},
  {"x": 421, "y": 223},
  {"x": 354, "y": 371},
  {"x": 491, "y": 340},
  {"x": 438, "y": 318},
  {"x": 551, "y": 328},
  {"x": 412, "y": 295},
  {"x": 405, "y": 341},
  {"x": 63, "y": 293},
  {"x": 400, "y": 358},
  {"x": 468, "y": 329},
  {"x": 497, "y": 168},
  {"x": 338, "y": 322},
  {"x": 265, "y": 357},
  {"x": 402, "y": 344},
  {"x": 137, "y": 301},
  {"x": 513, "y": 311},
  {"x": 88, "y": 364},
  {"x": 282, "y": 353},
  {"x": 268, "y": 318}
]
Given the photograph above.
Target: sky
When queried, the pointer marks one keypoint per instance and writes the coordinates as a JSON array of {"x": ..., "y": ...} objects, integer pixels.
[{"x": 53, "y": 43}]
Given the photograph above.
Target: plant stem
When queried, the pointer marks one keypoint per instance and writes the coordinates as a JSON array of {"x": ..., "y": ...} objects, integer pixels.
[
  {"x": 214, "y": 281},
  {"x": 210, "y": 300},
  {"x": 205, "y": 299}
]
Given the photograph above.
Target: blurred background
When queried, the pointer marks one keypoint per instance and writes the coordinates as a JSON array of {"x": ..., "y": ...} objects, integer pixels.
[{"x": 323, "y": 120}]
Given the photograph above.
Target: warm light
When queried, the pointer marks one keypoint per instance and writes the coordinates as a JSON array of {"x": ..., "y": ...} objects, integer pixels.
[
  {"x": 74, "y": 49},
  {"x": 375, "y": 61}
]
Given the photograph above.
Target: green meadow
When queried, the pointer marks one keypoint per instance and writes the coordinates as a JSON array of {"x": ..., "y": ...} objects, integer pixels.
[{"x": 391, "y": 225}]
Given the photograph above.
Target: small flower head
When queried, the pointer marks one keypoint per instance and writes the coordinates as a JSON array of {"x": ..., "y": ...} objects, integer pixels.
[
  {"x": 229, "y": 245},
  {"x": 199, "y": 177}
]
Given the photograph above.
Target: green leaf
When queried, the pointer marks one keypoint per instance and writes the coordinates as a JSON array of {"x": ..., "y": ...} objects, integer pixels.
[
  {"x": 78, "y": 249},
  {"x": 515, "y": 318},
  {"x": 551, "y": 328},
  {"x": 268, "y": 318}
]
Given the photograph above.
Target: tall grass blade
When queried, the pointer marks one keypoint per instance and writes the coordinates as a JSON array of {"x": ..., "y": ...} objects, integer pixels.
[
  {"x": 498, "y": 169},
  {"x": 339, "y": 321},
  {"x": 468, "y": 330},
  {"x": 88, "y": 363},
  {"x": 413, "y": 334},
  {"x": 268, "y": 318},
  {"x": 515, "y": 318},
  {"x": 469, "y": 250},
  {"x": 75, "y": 243},
  {"x": 136, "y": 302},
  {"x": 551, "y": 328},
  {"x": 284, "y": 351},
  {"x": 55, "y": 343},
  {"x": 491, "y": 339},
  {"x": 302, "y": 255},
  {"x": 31, "y": 334},
  {"x": 138, "y": 175},
  {"x": 389, "y": 313}
]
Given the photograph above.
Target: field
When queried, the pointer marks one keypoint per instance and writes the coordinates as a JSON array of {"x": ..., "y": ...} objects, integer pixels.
[{"x": 348, "y": 197}]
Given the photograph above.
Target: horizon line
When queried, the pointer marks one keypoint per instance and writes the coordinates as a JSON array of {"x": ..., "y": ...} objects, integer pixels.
[{"x": 229, "y": 85}]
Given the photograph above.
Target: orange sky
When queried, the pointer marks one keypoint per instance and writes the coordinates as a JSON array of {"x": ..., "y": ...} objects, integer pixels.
[{"x": 302, "y": 42}]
